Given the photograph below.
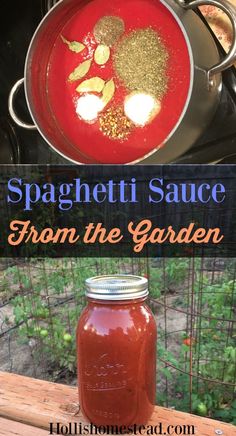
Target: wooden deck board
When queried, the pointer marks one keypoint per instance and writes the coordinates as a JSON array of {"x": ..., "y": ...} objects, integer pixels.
[
  {"x": 37, "y": 403},
  {"x": 12, "y": 428}
]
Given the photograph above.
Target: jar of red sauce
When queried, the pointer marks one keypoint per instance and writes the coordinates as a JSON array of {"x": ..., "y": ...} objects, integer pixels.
[{"x": 116, "y": 345}]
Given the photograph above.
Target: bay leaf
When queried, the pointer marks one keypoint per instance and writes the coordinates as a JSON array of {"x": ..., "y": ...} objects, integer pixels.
[
  {"x": 74, "y": 46},
  {"x": 108, "y": 92},
  {"x": 95, "y": 84},
  {"x": 80, "y": 71},
  {"x": 102, "y": 54}
]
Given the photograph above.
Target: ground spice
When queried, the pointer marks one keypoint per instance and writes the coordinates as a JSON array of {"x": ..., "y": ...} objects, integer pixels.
[
  {"x": 115, "y": 124},
  {"x": 108, "y": 30},
  {"x": 140, "y": 62}
]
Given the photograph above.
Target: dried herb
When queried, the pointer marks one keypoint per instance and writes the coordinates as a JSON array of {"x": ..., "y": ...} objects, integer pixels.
[
  {"x": 108, "y": 30},
  {"x": 80, "y": 71},
  {"x": 141, "y": 62},
  {"x": 74, "y": 46},
  {"x": 95, "y": 84},
  {"x": 108, "y": 92},
  {"x": 102, "y": 54},
  {"x": 115, "y": 124}
]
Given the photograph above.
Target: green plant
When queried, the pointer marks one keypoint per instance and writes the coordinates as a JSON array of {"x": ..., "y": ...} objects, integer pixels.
[
  {"x": 213, "y": 354},
  {"x": 50, "y": 297},
  {"x": 167, "y": 275},
  {"x": 50, "y": 303}
]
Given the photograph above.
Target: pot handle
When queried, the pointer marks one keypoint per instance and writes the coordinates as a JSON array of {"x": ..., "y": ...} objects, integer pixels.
[
  {"x": 11, "y": 109},
  {"x": 230, "y": 11}
]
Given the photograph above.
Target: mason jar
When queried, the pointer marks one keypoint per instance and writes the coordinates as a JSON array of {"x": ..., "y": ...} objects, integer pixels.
[{"x": 116, "y": 347}]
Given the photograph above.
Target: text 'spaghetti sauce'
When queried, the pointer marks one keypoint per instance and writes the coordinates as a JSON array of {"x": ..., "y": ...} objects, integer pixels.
[{"x": 116, "y": 343}]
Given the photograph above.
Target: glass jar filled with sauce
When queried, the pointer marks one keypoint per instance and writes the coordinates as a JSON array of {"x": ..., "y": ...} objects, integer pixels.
[{"x": 116, "y": 345}]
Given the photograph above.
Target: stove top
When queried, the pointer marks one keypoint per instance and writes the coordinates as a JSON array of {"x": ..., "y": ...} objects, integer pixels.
[{"x": 17, "y": 25}]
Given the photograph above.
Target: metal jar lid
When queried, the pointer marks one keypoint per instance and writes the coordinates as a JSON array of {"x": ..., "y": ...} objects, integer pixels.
[{"x": 117, "y": 287}]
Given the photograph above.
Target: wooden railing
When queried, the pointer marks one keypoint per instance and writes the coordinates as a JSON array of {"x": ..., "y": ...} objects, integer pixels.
[{"x": 27, "y": 406}]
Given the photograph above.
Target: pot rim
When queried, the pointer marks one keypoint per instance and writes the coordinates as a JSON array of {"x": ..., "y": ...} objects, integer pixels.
[{"x": 183, "y": 113}]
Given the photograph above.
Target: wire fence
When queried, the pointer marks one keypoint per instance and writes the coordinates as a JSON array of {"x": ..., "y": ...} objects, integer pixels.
[{"x": 193, "y": 300}]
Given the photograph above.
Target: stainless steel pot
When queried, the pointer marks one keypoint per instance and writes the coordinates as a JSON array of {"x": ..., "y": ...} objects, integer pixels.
[{"x": 204, "y": 90}]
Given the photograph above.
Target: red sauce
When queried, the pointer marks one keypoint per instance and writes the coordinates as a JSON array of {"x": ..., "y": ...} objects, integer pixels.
[
  {"x": 117, "y": 362},
  {"x": 62, "y": 95}
]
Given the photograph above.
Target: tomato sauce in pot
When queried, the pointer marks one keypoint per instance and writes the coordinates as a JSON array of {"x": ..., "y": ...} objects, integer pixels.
[
  {"x": 124, "y": 115},
  {"x": 116, "y": 342}
]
